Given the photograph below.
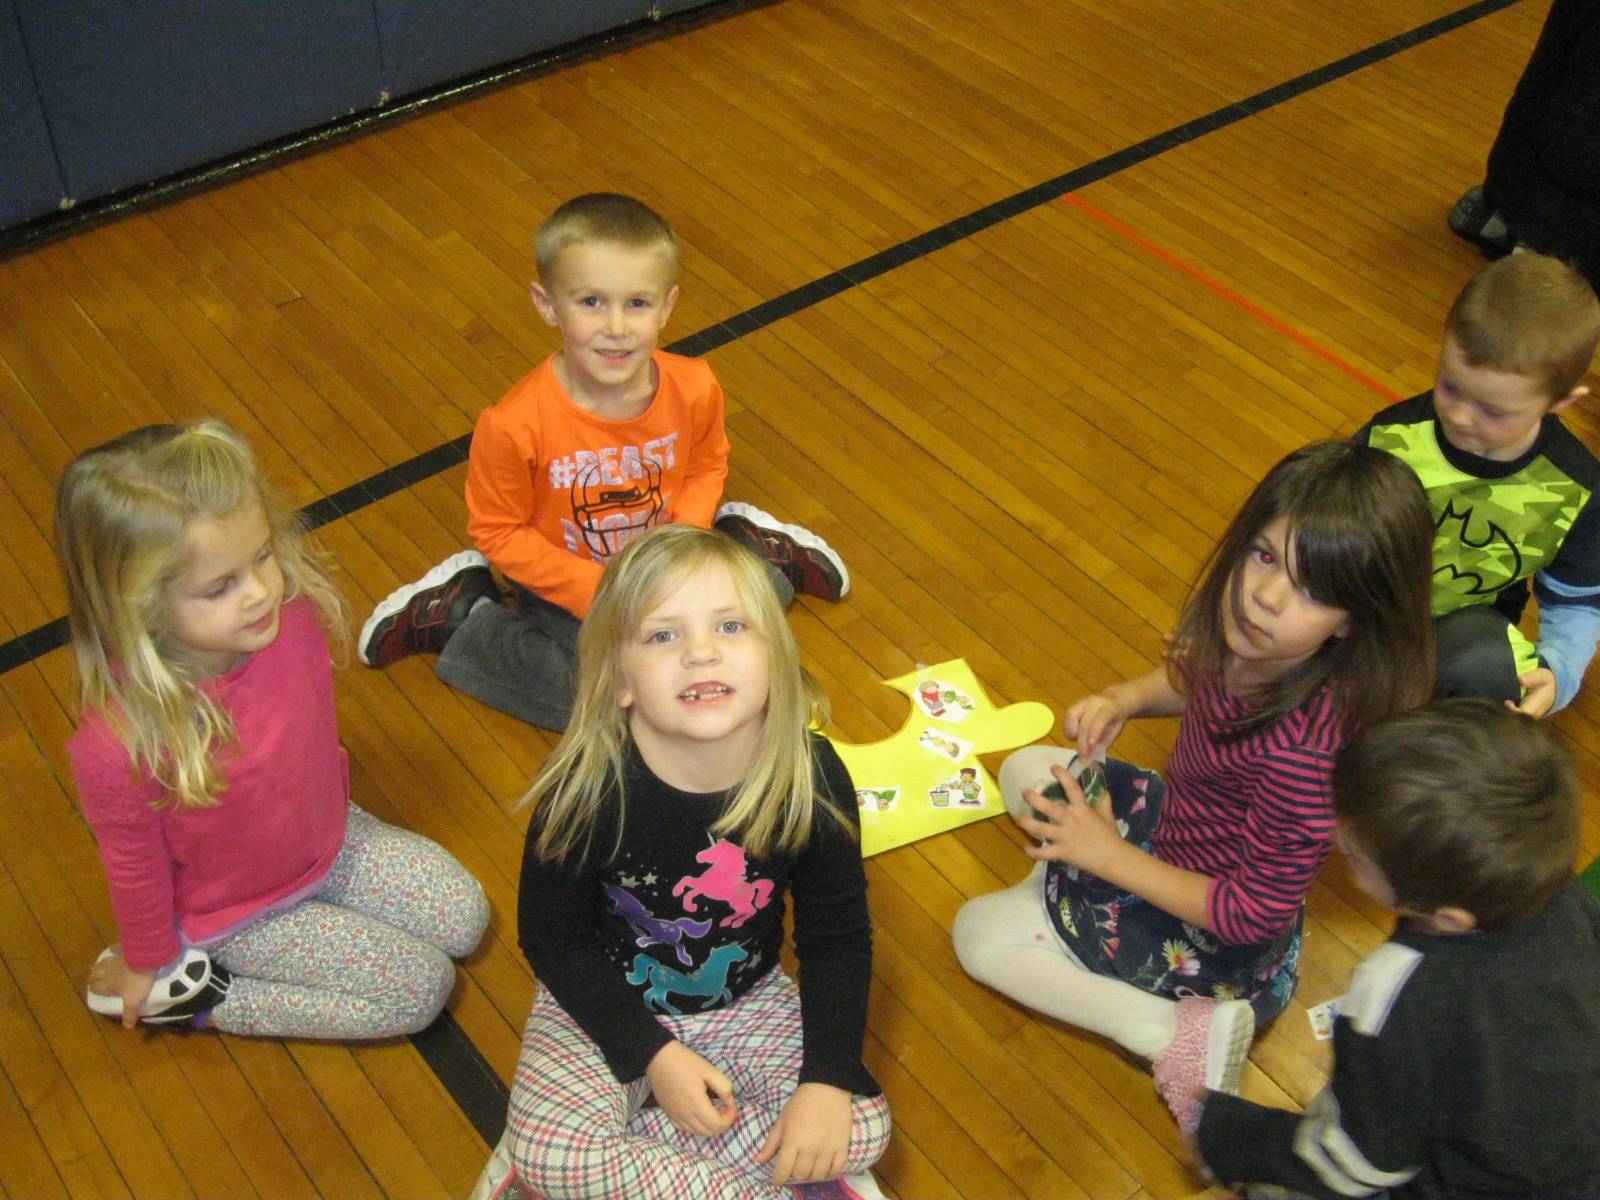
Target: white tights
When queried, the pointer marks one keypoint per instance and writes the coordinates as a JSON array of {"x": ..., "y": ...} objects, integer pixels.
[{"x": 1006, "y": 940}]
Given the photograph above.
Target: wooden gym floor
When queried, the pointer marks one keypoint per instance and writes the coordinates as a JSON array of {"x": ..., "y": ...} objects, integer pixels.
[{"x": 1021, "y": 416}]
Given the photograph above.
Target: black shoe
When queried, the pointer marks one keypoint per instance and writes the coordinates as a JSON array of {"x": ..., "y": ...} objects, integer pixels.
[
  {"x": 1472, "y": 218},
  {"x": 421, "y": 616}
]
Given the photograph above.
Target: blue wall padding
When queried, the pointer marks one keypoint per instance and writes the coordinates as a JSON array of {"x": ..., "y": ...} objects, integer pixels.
[
  {"x": 101, "y": 95},
  {"x": 135, "y": 91},
  {"x": 424, "y": 44},
  {"x": 30, "y": 183}
]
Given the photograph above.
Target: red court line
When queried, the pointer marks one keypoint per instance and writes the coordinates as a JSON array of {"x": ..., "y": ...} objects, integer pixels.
[{"x": 1233, "y": 297}]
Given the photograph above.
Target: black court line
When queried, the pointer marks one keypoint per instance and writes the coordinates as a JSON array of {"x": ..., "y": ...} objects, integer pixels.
[
  {"x": 463, "y": 1070},
  {"x": 466, "y": 1075}
]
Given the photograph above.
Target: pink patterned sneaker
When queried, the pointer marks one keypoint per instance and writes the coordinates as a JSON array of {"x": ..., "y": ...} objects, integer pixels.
[
  {"x": 1207, "y": 1053},
  {"x": 859, "y": 1186},
  {"x": 499, "y": 1178}
]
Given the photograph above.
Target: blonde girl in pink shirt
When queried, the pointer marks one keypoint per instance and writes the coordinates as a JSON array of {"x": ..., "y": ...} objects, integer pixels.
[{"x": 250, "y": 894}]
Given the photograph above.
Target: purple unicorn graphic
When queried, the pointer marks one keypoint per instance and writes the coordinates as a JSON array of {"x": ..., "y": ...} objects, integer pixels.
[{"x": 652, "y": 930}]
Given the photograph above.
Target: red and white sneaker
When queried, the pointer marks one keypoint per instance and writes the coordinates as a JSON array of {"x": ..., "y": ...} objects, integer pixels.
[
  {"x": 1206, "y": 1054},
  {"x": 421, "y": 616},
  {"x": 811, "y": 565}
]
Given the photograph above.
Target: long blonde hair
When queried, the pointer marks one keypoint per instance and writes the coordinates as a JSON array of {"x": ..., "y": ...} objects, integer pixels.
[
  {"x": 122, "y": 514},
  {"x": 773, "y": 808}
]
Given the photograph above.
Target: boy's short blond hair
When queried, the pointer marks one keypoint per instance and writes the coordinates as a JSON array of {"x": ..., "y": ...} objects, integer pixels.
[
  {"x": 1529, "y": 314},
  {"x": 603, "y": 217}
]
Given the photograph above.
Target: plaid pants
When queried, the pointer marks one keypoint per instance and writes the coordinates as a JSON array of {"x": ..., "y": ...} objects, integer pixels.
[{"x": 578, "y": 1134}]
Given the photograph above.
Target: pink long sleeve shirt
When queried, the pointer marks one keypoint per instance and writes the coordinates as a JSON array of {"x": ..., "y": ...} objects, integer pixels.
[{"x": 189, "y": 875}]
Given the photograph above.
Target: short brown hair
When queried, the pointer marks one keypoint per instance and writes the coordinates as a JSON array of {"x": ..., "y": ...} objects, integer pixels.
[
  {"x": 1466, "y": 804},
  {"x": 1529, "y": 314},
  {"x": 603, "y": 217}
]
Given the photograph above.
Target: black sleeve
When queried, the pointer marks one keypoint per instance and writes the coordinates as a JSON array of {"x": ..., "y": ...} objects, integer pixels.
[
  {"x": 1404, "y": 412},
  {"x": 1368, "y": 1131},
  {"x": 558, "y": 927},
  {"x": 833, "y": 936},
  {"x": 1577, "y": 561}
]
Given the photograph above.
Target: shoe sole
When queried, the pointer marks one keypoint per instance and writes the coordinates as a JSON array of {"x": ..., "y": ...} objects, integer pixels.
[
  {"x": 756, "y": 516},
  {"x": 401, "y": 596},
  {"x": 1233, "y": 1024},
  {"x": 862, "y": 1185},
  {"x": 111, "y": 1006},
  {"x": 498, "y": 1180}
]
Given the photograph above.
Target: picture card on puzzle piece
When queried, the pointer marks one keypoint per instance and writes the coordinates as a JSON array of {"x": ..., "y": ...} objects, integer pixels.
[
  {"x": 945, "y": 745},
  {"x": 965, "y": 790},
  {"x": 877, "y": 799},
  {"x": 943, "y": 700}
]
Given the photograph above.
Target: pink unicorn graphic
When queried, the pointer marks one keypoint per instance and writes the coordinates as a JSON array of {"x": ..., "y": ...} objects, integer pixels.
[{"x": 724, "y": 880}]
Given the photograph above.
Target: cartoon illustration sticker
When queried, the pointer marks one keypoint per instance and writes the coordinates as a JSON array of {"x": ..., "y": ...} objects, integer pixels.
[
  {"x": 964, "y": 790},
  {"x": 877, "y": 799},
  {"x": 943, "y": 701},
  {"x": 945, "y": 745}
]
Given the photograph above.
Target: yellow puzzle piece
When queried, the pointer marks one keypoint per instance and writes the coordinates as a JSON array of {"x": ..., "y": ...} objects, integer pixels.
[{"x": 926, "y": 778}]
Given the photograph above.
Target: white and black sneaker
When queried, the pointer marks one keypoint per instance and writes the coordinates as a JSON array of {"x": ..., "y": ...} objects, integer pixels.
[{"x": 194, "y": 986}]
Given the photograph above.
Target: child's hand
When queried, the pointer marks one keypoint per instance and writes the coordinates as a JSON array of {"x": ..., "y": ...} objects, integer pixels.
[
  {"x": 1094, "y": 722},
  {"x": 1538, "y": 692},
  {"x": 696, "y": 1097},
  {"x": 811, "y": 1137},
  {"x": 110, "y": 976},
  {"x": 1075, "y": 832}
]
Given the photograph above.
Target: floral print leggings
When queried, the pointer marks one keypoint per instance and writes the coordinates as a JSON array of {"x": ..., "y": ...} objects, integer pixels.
[{"x": 368, "y": 956}]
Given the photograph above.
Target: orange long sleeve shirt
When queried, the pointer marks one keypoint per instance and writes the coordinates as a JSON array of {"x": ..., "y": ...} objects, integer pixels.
[{"x": 553, "y": 491}]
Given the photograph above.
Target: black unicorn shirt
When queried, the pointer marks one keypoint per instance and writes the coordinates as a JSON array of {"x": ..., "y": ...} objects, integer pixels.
[{"x": 677, "y": 922}]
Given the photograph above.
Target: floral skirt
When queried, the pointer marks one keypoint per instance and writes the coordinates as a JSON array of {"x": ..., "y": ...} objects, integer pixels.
[{"x": 1114, "y": 933}]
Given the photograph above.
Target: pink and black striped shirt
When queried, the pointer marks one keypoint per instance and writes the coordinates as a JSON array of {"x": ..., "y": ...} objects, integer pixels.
[{"x": 1256, "y": 814}]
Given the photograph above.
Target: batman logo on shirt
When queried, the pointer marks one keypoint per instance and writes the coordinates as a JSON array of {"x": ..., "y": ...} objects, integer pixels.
[{"x": 1486, "y": 565}]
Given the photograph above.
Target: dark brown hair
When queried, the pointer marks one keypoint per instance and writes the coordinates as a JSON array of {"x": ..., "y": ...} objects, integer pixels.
[
  {"x": 1363, "y": 542},
  {"x": 1465, "y": 804}
]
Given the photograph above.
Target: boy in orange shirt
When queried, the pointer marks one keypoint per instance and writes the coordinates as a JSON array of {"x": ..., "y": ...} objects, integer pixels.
[{"x": 609, "y": 437}]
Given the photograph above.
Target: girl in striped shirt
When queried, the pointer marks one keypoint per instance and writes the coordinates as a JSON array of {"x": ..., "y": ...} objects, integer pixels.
[{"x": 1169, "y": 919}]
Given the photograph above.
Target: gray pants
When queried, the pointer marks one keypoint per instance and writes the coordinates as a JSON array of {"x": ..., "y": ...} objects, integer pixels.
[{"x": 523, "y": 660}]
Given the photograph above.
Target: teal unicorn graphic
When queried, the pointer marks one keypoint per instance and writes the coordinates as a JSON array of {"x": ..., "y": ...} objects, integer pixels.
[{"x": 711, "y": 980}]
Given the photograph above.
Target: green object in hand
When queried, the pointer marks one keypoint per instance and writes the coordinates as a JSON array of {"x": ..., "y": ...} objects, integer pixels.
[{"x": 1091, "y": 778}]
